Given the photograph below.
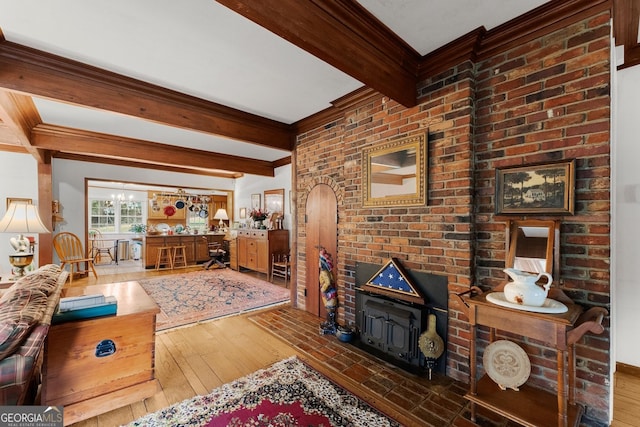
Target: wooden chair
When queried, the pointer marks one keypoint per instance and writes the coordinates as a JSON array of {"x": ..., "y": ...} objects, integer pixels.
[
  {"x": 280, "y": 267},
  {"x": 101, "y": 248},
  {"x": 70, "y": 251}
]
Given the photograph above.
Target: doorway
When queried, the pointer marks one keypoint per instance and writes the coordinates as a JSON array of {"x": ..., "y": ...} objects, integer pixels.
[{"x": 322, "y": 231}]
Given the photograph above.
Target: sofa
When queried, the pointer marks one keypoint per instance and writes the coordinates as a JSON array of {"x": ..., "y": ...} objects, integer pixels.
[{"x": 26, "y": 309}]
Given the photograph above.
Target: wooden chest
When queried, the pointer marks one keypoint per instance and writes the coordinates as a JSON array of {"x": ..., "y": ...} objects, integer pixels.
[{"x": 95, "y": 365}]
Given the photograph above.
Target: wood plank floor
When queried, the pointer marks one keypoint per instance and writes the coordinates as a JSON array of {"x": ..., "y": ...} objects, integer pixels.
[{"x": 194, "y": 360}]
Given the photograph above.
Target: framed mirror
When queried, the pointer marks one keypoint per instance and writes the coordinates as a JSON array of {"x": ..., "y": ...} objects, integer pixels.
[
  {"x": 532, "y": 246},
  {"x": 274, "y": 201},
  {"x": 394, "y": 172}
]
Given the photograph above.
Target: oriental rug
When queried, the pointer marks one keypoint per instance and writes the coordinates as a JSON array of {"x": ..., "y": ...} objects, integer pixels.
[
  {"x": 289, "y": 393},
  {"x": 204, "y": 295}
]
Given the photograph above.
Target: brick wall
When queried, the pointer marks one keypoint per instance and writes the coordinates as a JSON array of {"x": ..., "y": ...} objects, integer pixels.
[{"x": 543, "y": 101}]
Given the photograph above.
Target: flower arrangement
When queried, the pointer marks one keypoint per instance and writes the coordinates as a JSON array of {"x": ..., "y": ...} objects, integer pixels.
[{"x": 258, "y": 214}]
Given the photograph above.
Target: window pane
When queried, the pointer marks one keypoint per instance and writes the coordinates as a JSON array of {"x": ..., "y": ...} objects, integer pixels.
[
  {"x": 130, "y": 213},
  {"x": 103, "y": 216}
]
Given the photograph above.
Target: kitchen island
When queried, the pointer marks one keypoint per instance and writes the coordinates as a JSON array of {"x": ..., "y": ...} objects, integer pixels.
[{"x": 196, "y": 246}]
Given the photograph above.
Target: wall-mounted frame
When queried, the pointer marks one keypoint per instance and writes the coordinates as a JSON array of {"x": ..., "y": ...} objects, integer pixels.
[
  {"x": 243, "y": 213},
  {"x": 546, "y": 188},
  {"x": 255, "y": 201},
  {"x": 17, "y": 200},
  {"x": 395, "y": 173},
  {"x": 274, "y": 201}
]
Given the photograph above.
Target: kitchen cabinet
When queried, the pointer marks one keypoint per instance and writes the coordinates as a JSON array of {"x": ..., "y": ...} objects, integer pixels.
[
  {"x": 256, "y": 247},
  {"x": 196, "y": 246}
]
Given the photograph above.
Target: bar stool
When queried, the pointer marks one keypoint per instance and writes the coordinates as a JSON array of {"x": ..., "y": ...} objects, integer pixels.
[
  {"x": 179, "y": 256},
  {"x": 164, "y": 257}
]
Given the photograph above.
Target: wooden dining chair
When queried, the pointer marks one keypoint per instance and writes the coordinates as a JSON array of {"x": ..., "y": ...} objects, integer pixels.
[
  {"x": 99, "y": 247},
  {"x": 70, "y": 251},
  {"x": 280, "y": 267}
]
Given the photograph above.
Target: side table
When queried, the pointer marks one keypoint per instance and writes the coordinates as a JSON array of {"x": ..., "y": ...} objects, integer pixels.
[
  {"x": 531, "y": 406},
  {"x": 94, "y": 365}
]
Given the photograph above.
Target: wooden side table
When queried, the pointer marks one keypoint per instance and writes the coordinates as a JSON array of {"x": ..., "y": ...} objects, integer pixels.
[
  {"x": 531, "y": 406},
  {"x": 92, "y": 366}
]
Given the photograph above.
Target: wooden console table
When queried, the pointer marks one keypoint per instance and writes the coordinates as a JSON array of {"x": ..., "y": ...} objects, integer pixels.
[
  {"x": 531, "y": 406},
  {"x": 88, "y": 378}
]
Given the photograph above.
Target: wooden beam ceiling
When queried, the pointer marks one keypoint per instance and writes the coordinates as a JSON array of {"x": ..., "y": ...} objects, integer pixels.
[
  {"x": 41, "y": 74},
  {"x": 345, "y": 35},
  {"x": 116, "y": 150}
]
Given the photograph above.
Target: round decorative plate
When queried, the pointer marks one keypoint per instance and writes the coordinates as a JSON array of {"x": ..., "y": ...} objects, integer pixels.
[{"x": 507, "y": 364}]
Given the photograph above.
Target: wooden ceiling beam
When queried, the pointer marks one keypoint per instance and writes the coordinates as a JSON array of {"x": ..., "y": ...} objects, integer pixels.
[
  {"x": 343, "y": 34},
  {"x": 38, "y": 73},
  {"x": 93, "y": 144},
  {"x": 19, "y": 115}
]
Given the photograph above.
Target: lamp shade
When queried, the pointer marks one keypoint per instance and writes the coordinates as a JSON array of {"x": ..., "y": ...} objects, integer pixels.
[
  {"x": 22, "y": 218},
  {"x": 221, "y": 214}
]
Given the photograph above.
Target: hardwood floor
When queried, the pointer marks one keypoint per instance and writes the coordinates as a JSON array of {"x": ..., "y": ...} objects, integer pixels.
[{"x": 195, "y": 360}]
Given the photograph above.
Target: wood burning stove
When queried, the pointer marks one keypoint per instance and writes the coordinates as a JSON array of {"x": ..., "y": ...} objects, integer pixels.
[{"x": 390, "y": 325}]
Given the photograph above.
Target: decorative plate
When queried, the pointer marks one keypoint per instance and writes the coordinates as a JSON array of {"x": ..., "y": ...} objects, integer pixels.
[
  {"x": 169, "y": 210},
  {"x": 507, "y": 364},
  {"x": 162, "y": 227},
  {"x": 550, "y": 305}
]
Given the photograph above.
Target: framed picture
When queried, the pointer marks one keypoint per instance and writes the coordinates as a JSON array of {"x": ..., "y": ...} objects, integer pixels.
[
  {"x": 243, "y": 213},
  {"x": 274, "y": 201},
  {"x": 536, "y": 189},
  {"x": 255, "y": 201},
  {"x": 17, "y": 200}
]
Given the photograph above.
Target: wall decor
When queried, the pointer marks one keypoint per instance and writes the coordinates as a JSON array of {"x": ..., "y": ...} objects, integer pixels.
[
  {"x": 394, "y": 172},
  {"x": 243, "y": 213},
  {"x": 255, "y": 202},
  {"x": 274, "y": 201},
  {"x": 536, "y": 189}
]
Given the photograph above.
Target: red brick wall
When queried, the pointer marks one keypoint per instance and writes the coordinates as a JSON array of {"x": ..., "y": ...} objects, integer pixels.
[{"x": 544, "y": 101}]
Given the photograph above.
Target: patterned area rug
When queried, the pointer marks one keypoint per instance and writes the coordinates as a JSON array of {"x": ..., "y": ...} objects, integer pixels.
[
  {"x": 289, "y": 393},
  {"x": 205, "y": 295}
]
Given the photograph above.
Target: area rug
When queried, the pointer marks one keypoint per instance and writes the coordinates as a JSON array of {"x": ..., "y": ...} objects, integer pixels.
[
  {"x": 204, "y": 295},
  {"x": 289, "y": 393}
]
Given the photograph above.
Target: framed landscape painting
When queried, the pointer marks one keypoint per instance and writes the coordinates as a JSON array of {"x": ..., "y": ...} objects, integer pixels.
[{"x": 536, "y": 189}]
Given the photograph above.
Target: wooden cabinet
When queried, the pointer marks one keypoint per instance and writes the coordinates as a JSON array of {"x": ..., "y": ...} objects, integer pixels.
[
  {"x": 196, "y": 246},
  {"x": 532, "y": 406},
  {"x": 98, "y": 364},
  {"x": 255, "y": 248},
  {"x": 233, "y": 253}
]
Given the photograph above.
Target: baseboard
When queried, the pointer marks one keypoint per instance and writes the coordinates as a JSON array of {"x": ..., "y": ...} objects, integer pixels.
[{"x": 628, "y": 369}]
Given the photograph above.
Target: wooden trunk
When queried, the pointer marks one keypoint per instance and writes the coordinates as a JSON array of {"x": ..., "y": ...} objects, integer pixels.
[{"x": 95, "y": 365}]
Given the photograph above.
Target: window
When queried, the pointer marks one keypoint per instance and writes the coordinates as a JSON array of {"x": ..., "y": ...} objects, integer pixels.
[
  {"x": 195, "y": 221},
  {"x": 110, "y": 216}
]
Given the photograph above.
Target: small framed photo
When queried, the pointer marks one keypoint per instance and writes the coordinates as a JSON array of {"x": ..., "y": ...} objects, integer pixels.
[
  {"x": 255, "y": 201},
  {"x": 536, "y": 189},
  {"x": 243, "y": 213}
]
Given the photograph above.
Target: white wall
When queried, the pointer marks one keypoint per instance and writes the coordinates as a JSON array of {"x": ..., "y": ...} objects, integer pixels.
[
  {"x": 18, "y": 178},
  {"x": 254, "y": 184},
  {"x": 626, "y": 240}
]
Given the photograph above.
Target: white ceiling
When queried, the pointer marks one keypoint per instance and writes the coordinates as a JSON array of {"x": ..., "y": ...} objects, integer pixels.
[{"x": 201, "y": 48}]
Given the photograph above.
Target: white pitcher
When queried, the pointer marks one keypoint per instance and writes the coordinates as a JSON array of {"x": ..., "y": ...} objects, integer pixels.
[{"x": 524, "y": 290}]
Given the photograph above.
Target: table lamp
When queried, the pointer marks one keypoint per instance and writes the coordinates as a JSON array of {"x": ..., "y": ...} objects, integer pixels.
[
  {"x": 221, "y": 214},
  {"x": 21, "y": 218}
]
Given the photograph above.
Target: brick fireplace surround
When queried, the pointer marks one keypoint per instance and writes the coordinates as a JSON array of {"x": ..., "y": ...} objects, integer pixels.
[{"x": 539, "y": 97}]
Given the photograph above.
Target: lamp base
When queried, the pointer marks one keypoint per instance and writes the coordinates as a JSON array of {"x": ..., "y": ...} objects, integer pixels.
[{"x": 20, "y": 260}]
